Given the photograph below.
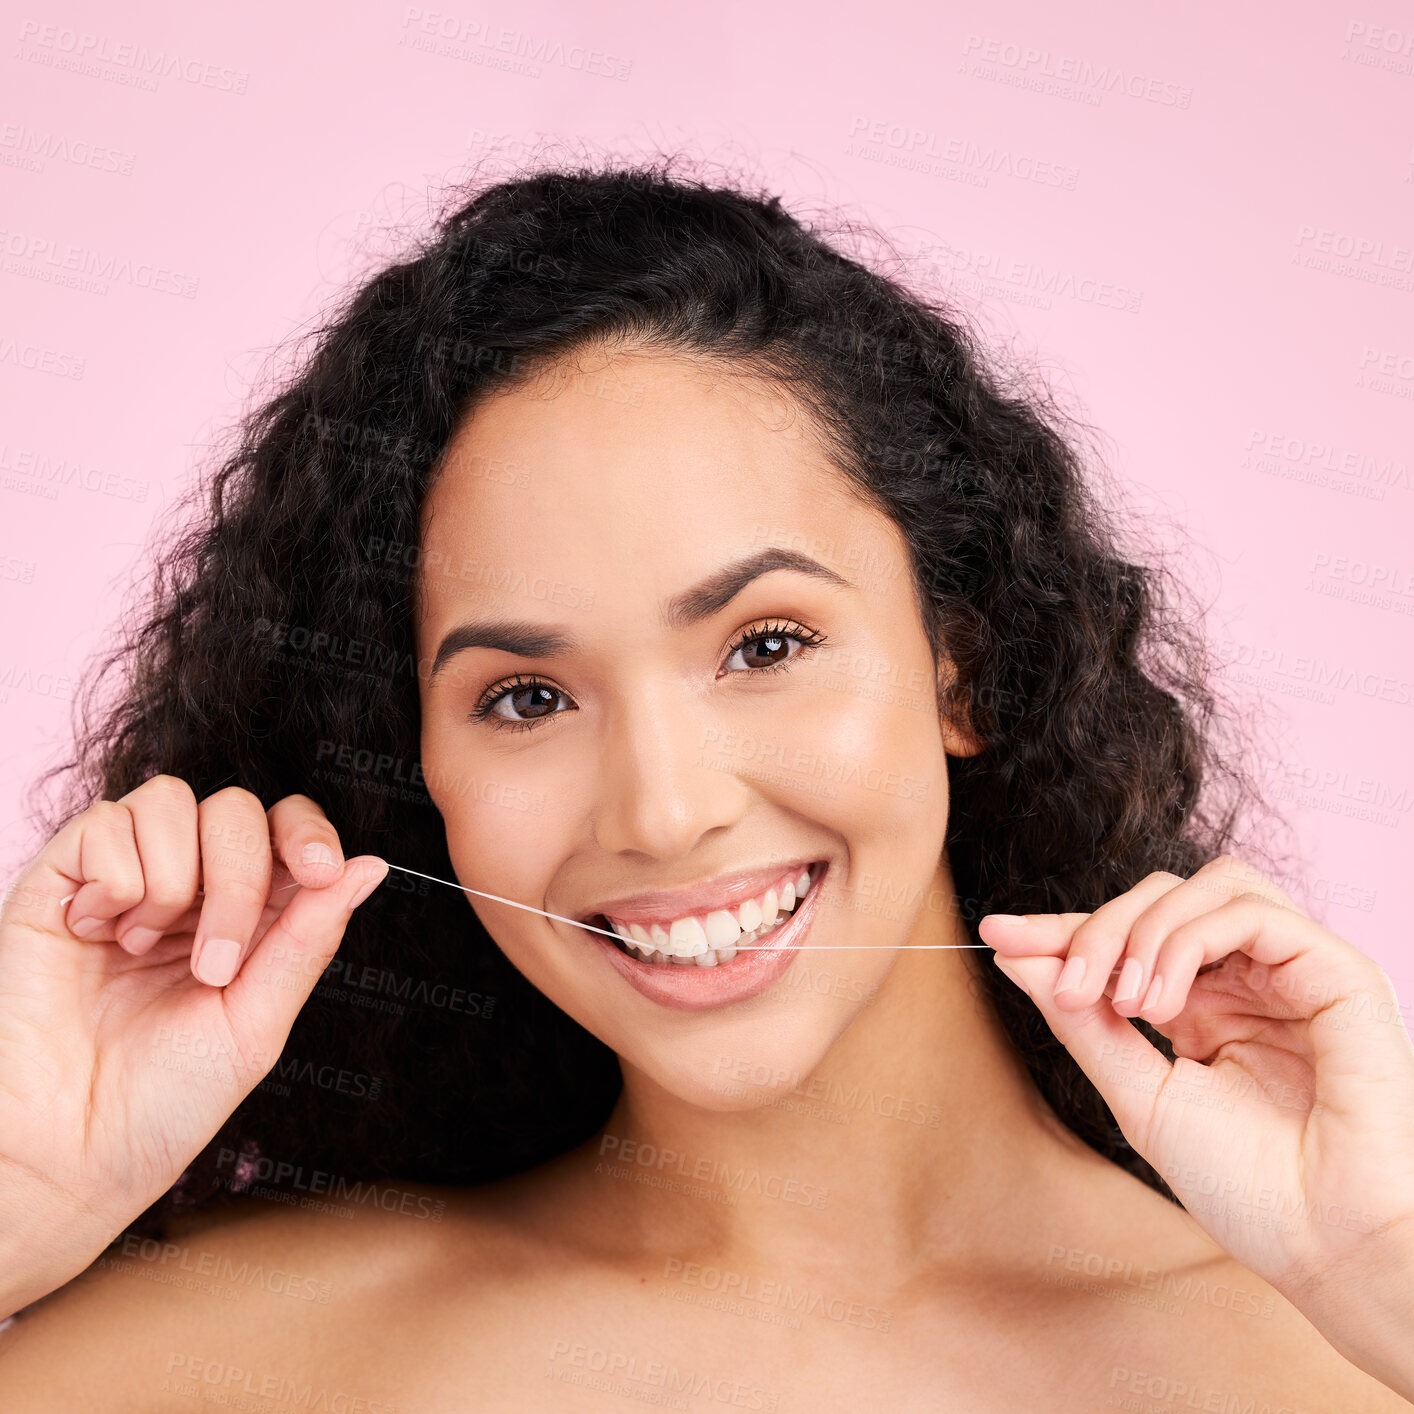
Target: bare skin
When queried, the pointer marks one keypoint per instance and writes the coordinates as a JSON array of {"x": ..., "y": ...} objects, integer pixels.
[{"x": 947, "y": 1243}]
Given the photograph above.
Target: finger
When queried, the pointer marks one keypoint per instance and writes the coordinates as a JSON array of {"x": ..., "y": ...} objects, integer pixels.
[
  {"x": 1126, "y": 1068},
  {"x": 107, "y": 868},
  {"x": 1029, "y": 934},
  {"x": 1142, "y": 982},
  {"x": 305, "y": 840},
  {"x": 1296, "y": 966},
  {"x": 290, "y": 958},
  {"x": 235, "y": 868},
  {"x": 1099, "y": 942},
  {"x": 164, "y": 814}
]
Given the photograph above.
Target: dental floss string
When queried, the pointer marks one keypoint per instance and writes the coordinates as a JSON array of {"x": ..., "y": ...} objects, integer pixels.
[{"x": 589, "y": 927}]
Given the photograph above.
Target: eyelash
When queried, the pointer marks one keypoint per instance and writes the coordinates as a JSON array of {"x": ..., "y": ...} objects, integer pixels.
[{"x": 808, "y": 638}]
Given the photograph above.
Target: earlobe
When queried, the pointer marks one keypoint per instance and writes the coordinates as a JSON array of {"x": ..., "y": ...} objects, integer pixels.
[
  {"x": 958, "y": 737},
  {"x": 959, "y": 741}
]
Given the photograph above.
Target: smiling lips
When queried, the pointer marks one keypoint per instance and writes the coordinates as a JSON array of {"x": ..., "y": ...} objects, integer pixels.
[{"x": 708, "y": 939}]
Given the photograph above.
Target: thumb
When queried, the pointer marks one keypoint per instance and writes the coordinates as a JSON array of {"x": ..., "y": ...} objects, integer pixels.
[
  {"x": 1122, "y": 1063},
  {"x": 276, "y": 979}
]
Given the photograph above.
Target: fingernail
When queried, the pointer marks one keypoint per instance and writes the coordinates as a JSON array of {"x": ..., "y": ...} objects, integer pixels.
[
  {"x": 316, "y": 852},
  {"x": 216, "y": 961},
  {"x": 83, "y": 927},
  {"x": 1008, "y": 917},
  {"x": 139, "y": 940},
  {"x": 1009, "y": 972},
  {"x": 1130, "y": 976},
  {"x": 1071, "y": 975},
  {"x": 367, "y": 888},
  {"x": 1152, "y": 995}
]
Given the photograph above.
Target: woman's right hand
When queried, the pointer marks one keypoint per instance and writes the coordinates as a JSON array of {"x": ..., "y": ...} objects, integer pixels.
[{"x": 153, "y": 957}]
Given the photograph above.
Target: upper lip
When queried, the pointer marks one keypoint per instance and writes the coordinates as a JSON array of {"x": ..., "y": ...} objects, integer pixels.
[{"x": 723, "y": 891}]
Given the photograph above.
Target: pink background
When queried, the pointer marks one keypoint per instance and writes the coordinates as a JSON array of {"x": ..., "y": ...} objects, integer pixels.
[{"x": 1199, "y": 228}]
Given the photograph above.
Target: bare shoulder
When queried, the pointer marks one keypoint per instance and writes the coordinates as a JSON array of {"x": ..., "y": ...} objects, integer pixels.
[
  {"x": 237, "y": 1300},
  {"x": 1174, "y": 1322},
  {"x": 1250, "y": 1345}
]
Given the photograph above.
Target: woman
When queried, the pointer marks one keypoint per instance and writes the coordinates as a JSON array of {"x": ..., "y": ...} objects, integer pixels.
[{"x": 698, "y": 601}]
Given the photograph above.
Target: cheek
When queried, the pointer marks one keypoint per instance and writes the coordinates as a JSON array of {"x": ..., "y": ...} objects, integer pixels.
[
  {"x": 865, "y": 760},
  {"x": 500, "y": 829}
]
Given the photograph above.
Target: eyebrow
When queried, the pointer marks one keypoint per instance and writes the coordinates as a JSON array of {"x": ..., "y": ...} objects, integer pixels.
[{"x": 692, "y": 606}]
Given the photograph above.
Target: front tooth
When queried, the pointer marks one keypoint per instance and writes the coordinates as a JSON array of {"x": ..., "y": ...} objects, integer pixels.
[
  {"x": 722, "y": 929},
  {"x": 770, "y": 906},
  {"x": 725, "y": 954},
  {"x": 659, "y": 937},
  {"x": 788, "y": 896},
  {"x": 708, "y": 958},
  {"x": 749, "y": 915},
  {"x": 802, "y": 884},
  {"x": 687, "y": 937},
  {"x": 682, "y": 961}
]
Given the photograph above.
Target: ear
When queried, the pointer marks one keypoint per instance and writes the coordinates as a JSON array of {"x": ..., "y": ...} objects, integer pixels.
[{"x": 958, "y": 736}]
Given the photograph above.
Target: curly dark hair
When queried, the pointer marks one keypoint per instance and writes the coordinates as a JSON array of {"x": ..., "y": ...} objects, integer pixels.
[{"x": 276, "y": 650}]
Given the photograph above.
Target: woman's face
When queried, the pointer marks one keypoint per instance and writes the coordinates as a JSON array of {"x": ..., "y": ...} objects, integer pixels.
[{"x": 627, "y": 711}]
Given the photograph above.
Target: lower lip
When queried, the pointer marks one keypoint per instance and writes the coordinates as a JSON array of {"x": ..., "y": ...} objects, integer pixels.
[{"x": 748, "y": 974}]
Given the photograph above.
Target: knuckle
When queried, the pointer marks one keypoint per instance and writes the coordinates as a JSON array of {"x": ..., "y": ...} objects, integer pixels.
[
  {"x": 304, "y": 802},
  {"x": 237, "y": 797},
  {"x": 122, "y": 889},
  {"x": 169, "y": 787},
  {"x": 1163, "y": 876},
  {"x": 1092, "y": 934},
  {"x": 243, "y": 890},
  {"x": 1146, "y": 937},
  {"x": 168, "y": 897},
  {"x": 109, "y": 814}
]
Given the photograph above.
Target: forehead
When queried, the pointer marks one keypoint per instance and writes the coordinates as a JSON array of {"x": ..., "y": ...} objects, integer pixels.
[{"x": 633, "y": 467}]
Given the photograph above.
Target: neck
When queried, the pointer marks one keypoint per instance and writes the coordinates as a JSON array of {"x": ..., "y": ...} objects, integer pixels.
[{"x": 917, "y": 1132}]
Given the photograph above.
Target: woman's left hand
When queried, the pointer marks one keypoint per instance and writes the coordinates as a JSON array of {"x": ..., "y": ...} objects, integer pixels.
[{"x": 1286, "y": 1124}]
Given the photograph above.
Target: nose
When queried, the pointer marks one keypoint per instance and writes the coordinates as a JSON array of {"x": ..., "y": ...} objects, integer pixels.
[{"x": 659, "y": 790}]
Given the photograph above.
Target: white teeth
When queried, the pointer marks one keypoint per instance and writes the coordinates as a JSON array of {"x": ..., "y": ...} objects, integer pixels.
[
  {"x": 770, "y": 906},
  {"x": 717, "y": 938},
  {"x": 687, "y": 937},
  {"x": 722, "y": 929}
]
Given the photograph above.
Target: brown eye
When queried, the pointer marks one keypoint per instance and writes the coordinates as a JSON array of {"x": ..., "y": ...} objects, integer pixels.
[
  {"x": 520, "y": 703},
  {"x": 769, "y": 646},
  {"x": 527, "y": 703},
  {"x": 765, "y": 651}
]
